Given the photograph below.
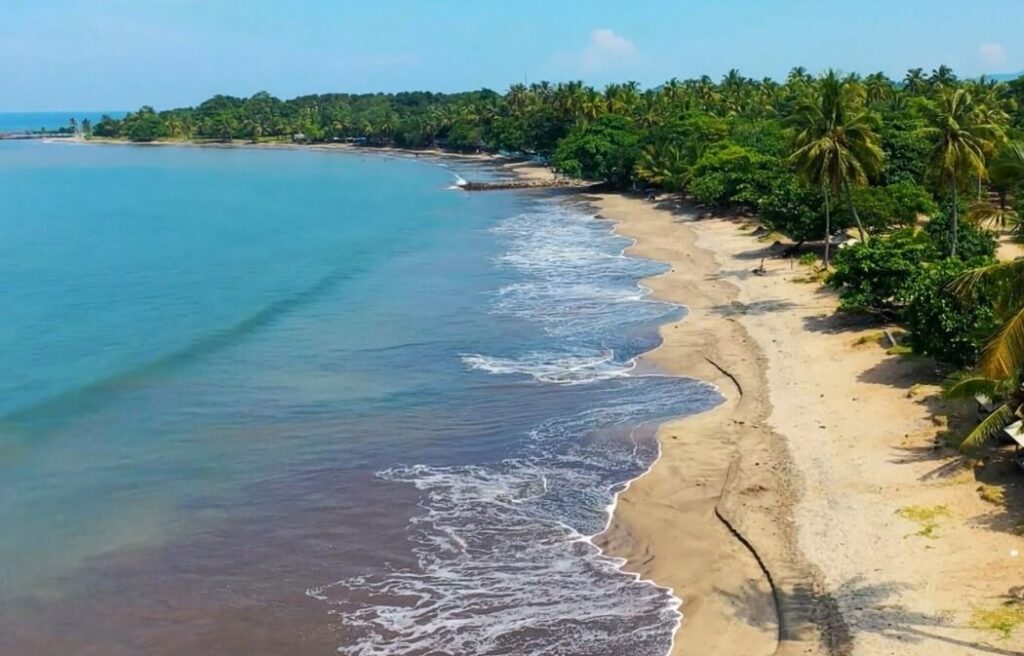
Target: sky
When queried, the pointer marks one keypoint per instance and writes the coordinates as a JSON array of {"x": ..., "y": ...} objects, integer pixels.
[{"x": 119, "y": 54}]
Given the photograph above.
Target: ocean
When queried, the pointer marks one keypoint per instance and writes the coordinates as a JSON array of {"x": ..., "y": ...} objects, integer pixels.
[
  {"x": 33, "y": 121},
  {"x": 289, "y": 401}
]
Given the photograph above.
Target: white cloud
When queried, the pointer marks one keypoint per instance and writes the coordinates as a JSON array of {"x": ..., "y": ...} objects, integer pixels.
[
  {"x": 605, "y": 50},
  {"x": 993, "y": 54}
]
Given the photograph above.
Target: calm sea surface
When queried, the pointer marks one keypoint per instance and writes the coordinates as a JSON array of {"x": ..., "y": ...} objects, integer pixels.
[
  {"x": 25, "y": 121},
  {"x": 270, "y": 402}
]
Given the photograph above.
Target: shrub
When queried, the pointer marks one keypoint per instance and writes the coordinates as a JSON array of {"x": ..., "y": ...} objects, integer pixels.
[
  {"x": 948, "y": 328},
  {"x": 910, "y": 199},
  {"x": 792, "y": 208},
  {"x": 465, "y": 137},
  {"x": 896, "y": 205},
  {"x": 906, "y": 151},
  {"x": 606, "y": 149},
  {"x": 728, "y": 173},
  {"x": 972, "y": 242},
  {"x": 871, "y": 277}
]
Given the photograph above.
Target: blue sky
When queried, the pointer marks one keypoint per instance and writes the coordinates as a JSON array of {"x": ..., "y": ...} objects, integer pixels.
[{"x": 119, "y": 54}]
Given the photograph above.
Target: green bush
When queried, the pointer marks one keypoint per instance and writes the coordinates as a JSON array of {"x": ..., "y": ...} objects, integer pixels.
[
  {"x": 871, "y": 277},
  {"x": 909, "y": 200},
  {"x": 896, "y": 205},
  {"x": 465, "y": 137},
  {"x": 972, "y": 242},
  {"x": 727, "y": 173},
  {"x": 791, "y": 208},
  {"x": 606, "y": 149},
  {"x": 143, "y": 125},
  {"x": 949, "y": 328},
  {"x": 906, "y": 150}
]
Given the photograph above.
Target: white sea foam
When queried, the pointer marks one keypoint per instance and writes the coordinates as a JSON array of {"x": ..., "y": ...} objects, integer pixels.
[
  {"x": 551, "y": 367},
  {"x": 574, "y": 278},
  {"x": 459, "y": 183},
  {"x": 505, "y": 557},
  {"x": 505, "y": 552}
]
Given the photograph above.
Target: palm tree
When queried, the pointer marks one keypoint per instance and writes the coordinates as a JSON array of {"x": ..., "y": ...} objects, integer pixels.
[
  {"x": 672, "y": 90},
  {"x": 1006, "y": 173},
  {"x": 592, "y": 105},
  {"x": 648, "y": 113},
  {"x": 799, "y": 76},
  {"x": 663, "y": 165},
  {"x": 960, "y": 140},
  {"x": 915, "y": 81},
  {"x": 517, "y": 99},
  {"x": 879, "y": 88},
  {"x": 836, "y": 146},
  {"x": 942, "y": 77},
  {"x": 997, "y": 374}
]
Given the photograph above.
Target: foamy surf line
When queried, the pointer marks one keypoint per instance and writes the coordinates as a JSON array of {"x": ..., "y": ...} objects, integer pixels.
[{"x": 506, "y": 552}]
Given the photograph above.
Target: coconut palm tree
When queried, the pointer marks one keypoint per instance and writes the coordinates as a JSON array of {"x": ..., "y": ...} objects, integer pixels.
[
  {"x": 997, "y": 374},
  {"x": 915, "y": 81},
  {"x": 672, "y": 90},
  {"x": 1006, "y": 173},
  {"x": 879, "y": 88},
  {"x": 960, "y": 139},
  {"x": 664, "y": 165},
  {"x": 943, "y": 77},
  {"x": 799, "y": 76},
  {"x": 517, "y": 99},
  {"x": 836, "y": 146},
  {"x": 591, "y": 105}
]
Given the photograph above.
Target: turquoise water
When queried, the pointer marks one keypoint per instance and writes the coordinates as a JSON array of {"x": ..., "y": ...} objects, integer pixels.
[
  {"x": 260, "y": 401},
  {"x": 30, "y": 121}
]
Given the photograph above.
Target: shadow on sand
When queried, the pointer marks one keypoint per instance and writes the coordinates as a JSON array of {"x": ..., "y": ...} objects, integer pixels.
[{"x": 868, "y": 609}]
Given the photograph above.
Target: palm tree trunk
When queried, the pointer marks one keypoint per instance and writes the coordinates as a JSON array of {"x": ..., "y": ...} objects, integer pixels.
[
  {"x": 955, "y": 222},
  {"x": 828, "y": 227},
  {"x": 853, "y": 212}
]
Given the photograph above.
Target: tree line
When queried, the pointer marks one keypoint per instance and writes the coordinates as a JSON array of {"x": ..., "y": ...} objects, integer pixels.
[{"x": 925, "y": 171}]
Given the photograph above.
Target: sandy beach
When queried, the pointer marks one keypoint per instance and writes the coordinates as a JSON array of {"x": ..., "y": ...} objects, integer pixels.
[{"x": 813, "y": 511}]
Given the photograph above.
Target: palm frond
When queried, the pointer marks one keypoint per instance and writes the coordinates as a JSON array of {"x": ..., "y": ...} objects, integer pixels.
[
  {"x": 969, "y": 386},
  {"x": 984, "y": 213},
  {"x": 1004, "y": 354},
  {"x": 988, "y": 428}
]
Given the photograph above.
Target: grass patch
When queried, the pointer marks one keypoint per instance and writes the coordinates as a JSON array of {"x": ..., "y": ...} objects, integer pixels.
[
  {"x": 992, "y": 494},
  {"x": 808, "y": 259},
  {"x": 927, "y": 517},
  {"x": 872, "y": 338},
  {"x": 901, "y": 350},
  {"x": 1004, "y": 620},
  {"x": 772, "y": 237}
]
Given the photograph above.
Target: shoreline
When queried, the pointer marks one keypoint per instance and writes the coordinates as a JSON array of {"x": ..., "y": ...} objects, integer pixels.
[
  {"x": 676, "y": 523},
  {"x": 785, "y": 518},
  {"x": 689, "y": 545}
]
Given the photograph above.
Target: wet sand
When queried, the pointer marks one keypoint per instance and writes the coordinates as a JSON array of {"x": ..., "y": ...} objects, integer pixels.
[{"x": 786, "y": 518}]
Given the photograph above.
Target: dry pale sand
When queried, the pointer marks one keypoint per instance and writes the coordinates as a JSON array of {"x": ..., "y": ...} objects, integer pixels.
[
  {"x": 801, "y": 497},
  {"x": 857, "y": 446}
]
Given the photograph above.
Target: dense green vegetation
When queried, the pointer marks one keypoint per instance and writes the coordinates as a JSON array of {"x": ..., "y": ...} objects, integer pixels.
[{"x": 922, "y": 171}]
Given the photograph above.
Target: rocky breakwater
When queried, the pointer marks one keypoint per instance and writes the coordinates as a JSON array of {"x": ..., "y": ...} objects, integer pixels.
[{"x": 551, "y": 183}]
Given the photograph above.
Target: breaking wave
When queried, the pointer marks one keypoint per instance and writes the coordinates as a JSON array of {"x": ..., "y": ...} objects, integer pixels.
[{"x": 504, "y": 551}]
